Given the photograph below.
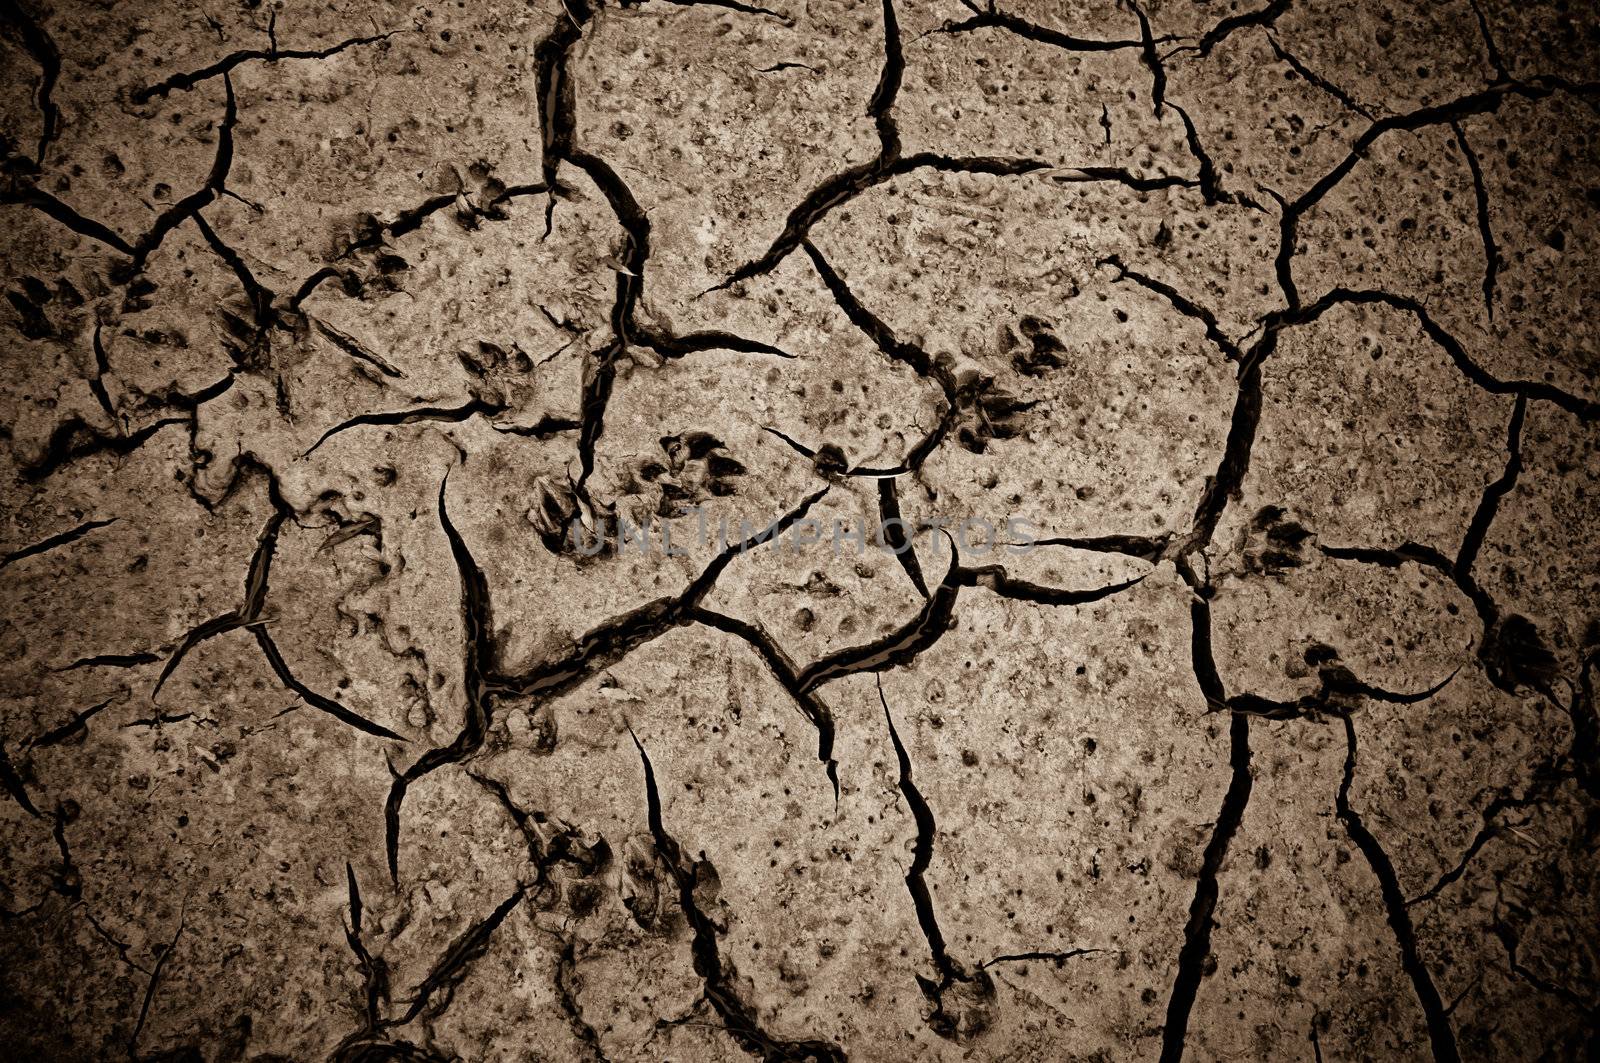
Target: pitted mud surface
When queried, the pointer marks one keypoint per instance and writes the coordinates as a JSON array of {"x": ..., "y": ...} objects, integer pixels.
[{"x": 342, "y": 340}]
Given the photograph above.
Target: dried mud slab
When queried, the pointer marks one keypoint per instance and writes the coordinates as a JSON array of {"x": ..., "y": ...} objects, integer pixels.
[{"x": 710, "y": 530}]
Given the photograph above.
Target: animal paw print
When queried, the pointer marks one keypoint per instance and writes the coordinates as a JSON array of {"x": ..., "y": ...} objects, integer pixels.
[
  {"x": 1033, "y": 347},
  {"x": 987, "y": 413},
  {"x": 37, "y": 305},
  {"x": 557, "y": 505},
  {"x": 1274, "y": 542},
  {"x": 697, "y": 468}
]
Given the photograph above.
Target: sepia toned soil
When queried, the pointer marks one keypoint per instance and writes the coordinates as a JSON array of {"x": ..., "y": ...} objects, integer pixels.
[{"x": 846, "y": 529}]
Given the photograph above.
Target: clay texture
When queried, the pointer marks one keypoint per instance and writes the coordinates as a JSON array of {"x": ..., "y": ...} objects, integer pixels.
[{"x": 803, "y": 530}]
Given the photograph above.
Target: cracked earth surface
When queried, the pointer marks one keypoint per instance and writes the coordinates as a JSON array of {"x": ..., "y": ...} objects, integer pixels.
[{"x": 330, "y": 330}]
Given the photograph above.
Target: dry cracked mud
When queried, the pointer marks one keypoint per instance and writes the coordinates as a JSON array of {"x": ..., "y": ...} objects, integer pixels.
[{"x": 1131, "y": 471}]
